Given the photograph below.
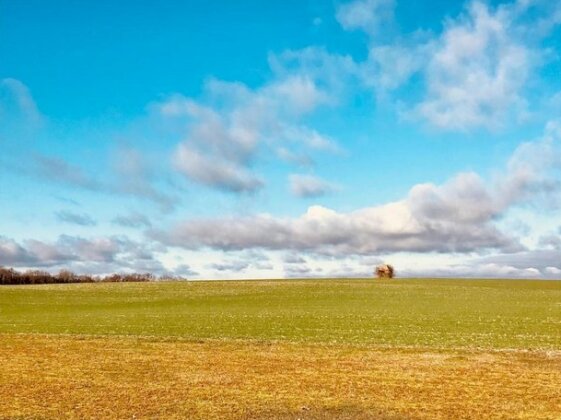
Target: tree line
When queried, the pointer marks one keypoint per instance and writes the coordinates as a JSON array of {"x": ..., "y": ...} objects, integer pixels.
[{"x": 11, "y": 276}]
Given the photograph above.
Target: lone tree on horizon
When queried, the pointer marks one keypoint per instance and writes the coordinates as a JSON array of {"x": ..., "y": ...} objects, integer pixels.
[{"x": 384, "y": 271}]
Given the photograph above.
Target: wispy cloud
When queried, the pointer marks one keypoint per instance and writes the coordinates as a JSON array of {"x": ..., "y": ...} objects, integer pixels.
[
  {"x": 130, "y": 178},
  {"x": 215, "y": 172},
  {"x": 17, "y": 102},
  {"x": 135, "y": 176},
  {"x": 132, "y": 220},
  {"x": 80, "y": 219},
  {"x": 227, "y": 133},
  {"x": 309, "y": 186},
  {"x": 231, "y": 266},
  {"x": 58, "y": 170},
  {"x": 367, "y": 15}
]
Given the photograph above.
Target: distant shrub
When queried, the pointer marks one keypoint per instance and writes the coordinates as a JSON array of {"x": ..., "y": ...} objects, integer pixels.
[
  {"x": 13, "y": 277},
  {"x": 385, "y": 271}
]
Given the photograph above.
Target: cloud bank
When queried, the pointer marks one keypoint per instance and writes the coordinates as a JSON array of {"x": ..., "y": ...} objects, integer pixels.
[{"x": 456, "y": 217}]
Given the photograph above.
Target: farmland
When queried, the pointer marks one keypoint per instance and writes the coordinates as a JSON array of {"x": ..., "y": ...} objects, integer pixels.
[{"x": 282, "y": 349}]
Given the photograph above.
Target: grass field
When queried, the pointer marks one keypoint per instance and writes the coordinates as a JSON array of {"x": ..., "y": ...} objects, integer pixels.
[{"x": 282, "y": 349}]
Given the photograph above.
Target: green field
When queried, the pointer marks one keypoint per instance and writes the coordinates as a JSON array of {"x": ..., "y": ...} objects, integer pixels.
[
  {"x": 434, "y": 313},
  {"x": 298, "y": 349}
]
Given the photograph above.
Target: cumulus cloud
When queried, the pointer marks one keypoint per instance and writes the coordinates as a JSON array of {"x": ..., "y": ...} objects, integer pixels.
[
  {"x": 457, "y": 216},
  {"x": 308, "y": 186},
  {"x": 80, "y": 219},
  {"x": 392, "y": 227},
  {"x": 476, "y": 72}
]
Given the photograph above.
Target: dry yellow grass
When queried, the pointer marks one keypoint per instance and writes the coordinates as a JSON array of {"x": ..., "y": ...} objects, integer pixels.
[{"x": 84, "y": 377}]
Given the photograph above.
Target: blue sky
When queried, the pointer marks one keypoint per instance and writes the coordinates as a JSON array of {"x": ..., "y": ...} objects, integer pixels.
[{"x": 215, "y": 139}]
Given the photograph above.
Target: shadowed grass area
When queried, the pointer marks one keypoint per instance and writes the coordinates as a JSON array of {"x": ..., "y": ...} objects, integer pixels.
[{"x": 429, "y": 313}]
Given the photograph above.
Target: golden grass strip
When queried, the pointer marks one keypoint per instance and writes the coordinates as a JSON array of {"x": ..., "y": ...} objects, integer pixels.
[{"x": 67, "y": 377}]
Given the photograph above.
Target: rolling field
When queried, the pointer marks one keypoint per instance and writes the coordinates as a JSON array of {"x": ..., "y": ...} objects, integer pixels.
[{"x": 282, "y": 349}]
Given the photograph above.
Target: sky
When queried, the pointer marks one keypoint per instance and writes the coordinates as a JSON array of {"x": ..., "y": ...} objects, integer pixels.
[{"x": 220, "y": 140}]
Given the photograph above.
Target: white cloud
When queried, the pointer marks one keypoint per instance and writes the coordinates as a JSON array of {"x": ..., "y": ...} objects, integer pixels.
[
  {"x": 474, "y": 74},
  {"x": 477, "y": 72},
  {"x": 227, "y": 131},
  {"x": 319, "y": 229},
  {"x": 458, "y": 216},
  {"x": 409, "y": 225}
]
